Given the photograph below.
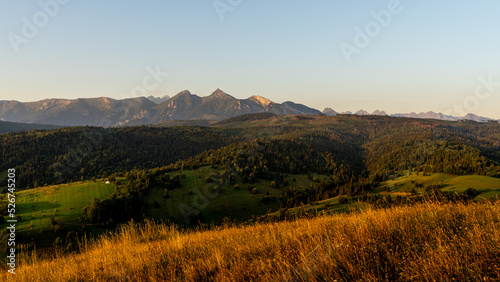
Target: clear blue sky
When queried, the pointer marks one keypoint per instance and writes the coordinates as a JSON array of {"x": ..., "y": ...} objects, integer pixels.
[{"x": 429, "y": 56}]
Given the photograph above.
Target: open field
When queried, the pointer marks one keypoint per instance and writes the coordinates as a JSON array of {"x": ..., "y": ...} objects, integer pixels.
[
  {"x": 199, "y": 195},
  {"x": 426, "y": 242},
  {"x": 63, "y": 202},
  {"x": 329, "y": 206},
  {"x": 488, "y": 186}
]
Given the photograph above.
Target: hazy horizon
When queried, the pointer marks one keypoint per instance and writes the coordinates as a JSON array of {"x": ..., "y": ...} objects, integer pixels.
[{"x": 396, "y": 56}]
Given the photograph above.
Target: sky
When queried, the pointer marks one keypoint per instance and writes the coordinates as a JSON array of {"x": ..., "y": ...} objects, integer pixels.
[{"x": 397, "y": 56}]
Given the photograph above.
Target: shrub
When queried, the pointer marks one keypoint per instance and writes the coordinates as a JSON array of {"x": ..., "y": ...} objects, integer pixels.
[
  {"x": 471, "y": 192},
  {"x": 53, "y": 222}
]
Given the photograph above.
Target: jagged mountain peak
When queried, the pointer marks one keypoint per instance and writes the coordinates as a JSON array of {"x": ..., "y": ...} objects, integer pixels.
[
  {"x": 219, "y": 105},
  {"x": 183, "y": 93},
  {"x": 329, "y": 112},
  {"x": 379, "y": 113},
  {"x": 158, "y": 100},
  {"x": 219, "y": 94},
  {"x": 261, "y": 100},
  {"x": 474, "y": 117},
  {"x": 184, "y": 97},
  {"x": 362, "y": 113}
]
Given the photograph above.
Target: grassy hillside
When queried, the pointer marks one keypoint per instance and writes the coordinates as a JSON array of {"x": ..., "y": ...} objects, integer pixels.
[
  {"x": 426, "y": 242},
  {"x": 215, "y": 204},
  {"x": 488, "y": 186},
  {"x": 197, "y": 196},
  {"x": 251, "y": 169},
  {"x": 63, "y": 202}
]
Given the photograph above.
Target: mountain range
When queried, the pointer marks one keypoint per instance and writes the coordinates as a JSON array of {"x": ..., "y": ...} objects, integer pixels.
[
  {"x": 158, "y": 100},
  {"x": 138, "y": 111},
  {"x": 422, "y": 115},
  {"x": 218, "y": 106}
]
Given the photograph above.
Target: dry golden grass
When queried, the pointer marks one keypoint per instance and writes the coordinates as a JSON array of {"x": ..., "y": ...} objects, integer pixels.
[{"x": 427, "y": 242}]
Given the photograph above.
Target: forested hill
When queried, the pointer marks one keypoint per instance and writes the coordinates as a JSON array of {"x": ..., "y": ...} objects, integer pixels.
[
  {"x": 361, "y": 149},
  {"x": 6, "y": 126},
  {"x": 70, "y": 154}
]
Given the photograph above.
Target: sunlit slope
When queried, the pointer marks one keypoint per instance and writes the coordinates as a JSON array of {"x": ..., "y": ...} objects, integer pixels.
[
  {"x": 62, "y": 202},
  {"x": 427, "y": 242}
]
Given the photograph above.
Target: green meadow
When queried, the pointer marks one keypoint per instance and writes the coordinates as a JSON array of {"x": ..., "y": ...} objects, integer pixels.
[
  {"x": 488, "y": 186},
  {"x": 65, "y": 202},
  {"x": 62, "y": 202},
  {"x": 197, "y": 195}
]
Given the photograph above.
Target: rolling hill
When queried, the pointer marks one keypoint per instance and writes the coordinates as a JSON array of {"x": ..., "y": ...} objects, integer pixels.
[
  {"x": 6, "y": 126},
  {"x": 373, "y": 146},
  {"x": 255, "y": 169}
]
